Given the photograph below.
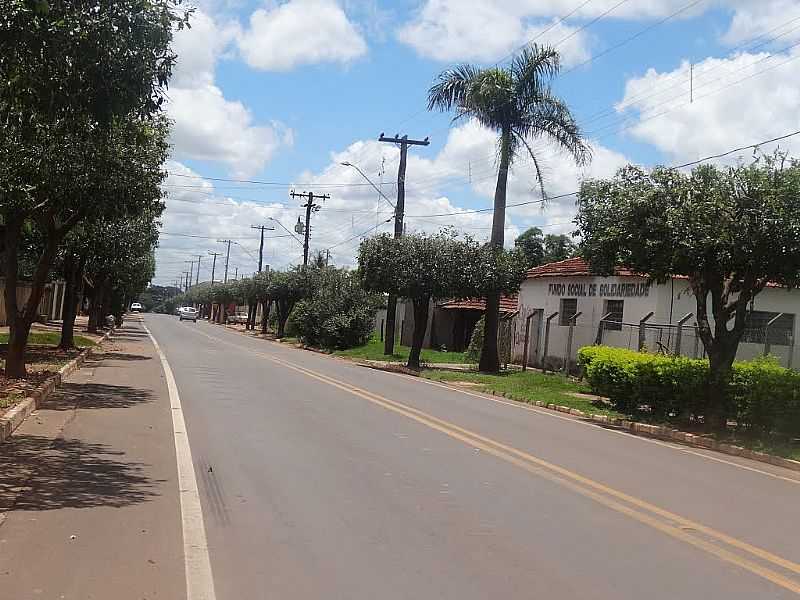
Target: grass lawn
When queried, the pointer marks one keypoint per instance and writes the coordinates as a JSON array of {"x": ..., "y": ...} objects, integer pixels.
[
  {"x": 49, "y": 338},
  {"x": 530, "y": 386},
  {"x": 533, "y": 385},
  {"x": 374, "y": 351}
]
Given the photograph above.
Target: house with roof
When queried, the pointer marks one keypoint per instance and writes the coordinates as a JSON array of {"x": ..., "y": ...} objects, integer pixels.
[{"x": 634, "y": 312}]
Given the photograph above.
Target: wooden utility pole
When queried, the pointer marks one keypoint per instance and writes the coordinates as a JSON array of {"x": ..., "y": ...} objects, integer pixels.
[
  {"x": 191, "y": 273},
  {"x": 310, "y": 207},
  {"x": 391, "y": 303},
  {"x": 227, "y": 257},
  {"x": 197, "y": 275},
  {"x": 214, "y": 265},
  {"x": 261, "y": 246}
]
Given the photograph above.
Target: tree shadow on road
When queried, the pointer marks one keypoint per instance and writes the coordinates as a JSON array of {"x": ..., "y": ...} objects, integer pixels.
[
  {"x": 95, "y": 395},
  {"x": 39, "y": 473}
]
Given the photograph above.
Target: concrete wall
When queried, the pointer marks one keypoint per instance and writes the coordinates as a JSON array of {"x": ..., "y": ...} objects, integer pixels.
[{"x": 669, "y": 302}]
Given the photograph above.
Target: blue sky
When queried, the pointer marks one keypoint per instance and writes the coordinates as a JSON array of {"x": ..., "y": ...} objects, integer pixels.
[{"x": 282, "y": 92}]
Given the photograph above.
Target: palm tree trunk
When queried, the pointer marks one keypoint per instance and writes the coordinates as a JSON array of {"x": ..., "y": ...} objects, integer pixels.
[{"x": 490, "y": 358}]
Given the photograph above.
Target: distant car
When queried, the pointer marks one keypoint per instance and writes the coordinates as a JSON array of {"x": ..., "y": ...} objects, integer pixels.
[
  {"x": 188, "y": 314},
  {"x": 136, "y": 307}
]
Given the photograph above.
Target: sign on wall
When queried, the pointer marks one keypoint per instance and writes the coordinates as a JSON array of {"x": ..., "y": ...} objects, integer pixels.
[{"x": 601, "y": 290}]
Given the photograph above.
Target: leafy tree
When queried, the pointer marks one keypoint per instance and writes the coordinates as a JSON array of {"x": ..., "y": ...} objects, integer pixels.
[
  {"x": 286, "y": 288},
  {"x": 558, "y": 247},
  {"x": 516, "y": 102},
  {"x": 339, "y": 314},
  {"x": 731, "y": 231},
  {"x": 261, "y": 282},
  {"x": 531, "y": 244},
  {"x": 81, "y": 81},
  {"x": 424, "y": 268}
]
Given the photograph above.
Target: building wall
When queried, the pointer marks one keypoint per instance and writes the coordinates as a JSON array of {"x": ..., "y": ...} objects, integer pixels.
[{"x": 669, "y": 302}]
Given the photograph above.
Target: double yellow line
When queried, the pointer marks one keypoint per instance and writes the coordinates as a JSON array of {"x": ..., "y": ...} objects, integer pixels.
[{"x": 729, "y": 549}]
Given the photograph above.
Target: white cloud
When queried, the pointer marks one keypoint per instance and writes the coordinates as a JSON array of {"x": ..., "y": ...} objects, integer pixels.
[
  {"x": 300, "y": 32},
  {"x": 447, "y": 30},
  {"x": 753, "y": 18},
  {"x": 435, "y": 186},
  {"x": 737, "y": 101},
  {"x": 208, "y": 126}
]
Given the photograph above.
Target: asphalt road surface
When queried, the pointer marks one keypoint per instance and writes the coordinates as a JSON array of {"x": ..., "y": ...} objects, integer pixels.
[{"x": 323, "y": 479}]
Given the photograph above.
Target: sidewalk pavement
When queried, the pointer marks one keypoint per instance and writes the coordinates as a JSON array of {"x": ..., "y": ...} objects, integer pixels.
[{"x": 89, "y": 505}]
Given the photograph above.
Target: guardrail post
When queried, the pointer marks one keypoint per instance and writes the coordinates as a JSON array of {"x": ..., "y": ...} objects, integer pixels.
[
  {"x": 642, "y": 322},
  {"x": 547, "y": 340},
  {"x": 766, "y": 332},
  {"x": 601, "y": 329},
  {"x": 679, "y": 336},
  {"x": 527, "y": 338},
  {"x": 568, "y": 352}
]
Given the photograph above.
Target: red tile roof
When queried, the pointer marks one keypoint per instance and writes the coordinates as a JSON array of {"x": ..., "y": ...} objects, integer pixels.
[
  {"x": 573, "y": 267},
  {"x": 508, "y": 304}
]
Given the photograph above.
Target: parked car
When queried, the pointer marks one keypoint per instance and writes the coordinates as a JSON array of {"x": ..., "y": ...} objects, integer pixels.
[
  {"x": 188, "y": 314},
  {"x": 136, "y": 307}
]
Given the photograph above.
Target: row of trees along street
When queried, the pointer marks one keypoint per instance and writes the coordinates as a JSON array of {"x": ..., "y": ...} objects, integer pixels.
[{"x": 81, "y": 155}]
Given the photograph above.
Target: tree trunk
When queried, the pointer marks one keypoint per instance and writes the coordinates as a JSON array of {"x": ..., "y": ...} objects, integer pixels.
[
  {"x": 721, "y": 355},
  {"x": 20, "y": 321},
  {"x": 251, "y": 315},
  {"x": 265, "y": 308},
  {"x": 421, "y": 306},
  {"x": 391, "y": 316},
  {"x": 72, "y": 273},
  {"x": 490, "y": 358},
  {"x": 283, "y": 316}
]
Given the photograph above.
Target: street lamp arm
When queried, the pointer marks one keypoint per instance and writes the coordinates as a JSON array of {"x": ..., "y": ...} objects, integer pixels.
[{"x": 377, "y": 189}]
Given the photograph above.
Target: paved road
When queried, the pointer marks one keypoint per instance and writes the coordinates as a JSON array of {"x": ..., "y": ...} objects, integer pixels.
[{"x": 322, "y": 479}]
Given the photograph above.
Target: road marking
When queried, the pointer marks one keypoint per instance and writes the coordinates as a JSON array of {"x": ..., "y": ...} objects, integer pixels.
[
  {"x": 662, "y": 520},
  {"x": 199, "y": 579},
  {"x": 596, "y": 426}
]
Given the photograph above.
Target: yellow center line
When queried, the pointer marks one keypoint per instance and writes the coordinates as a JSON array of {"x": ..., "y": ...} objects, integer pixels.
[{"x": 672, "y": 524}]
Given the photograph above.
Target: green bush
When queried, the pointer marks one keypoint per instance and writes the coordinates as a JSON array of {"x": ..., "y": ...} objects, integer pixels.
[
  {"x": 337, "y": 315},
  {"x": 473, "y": 353},
  {"x": 762, "y": 396}
]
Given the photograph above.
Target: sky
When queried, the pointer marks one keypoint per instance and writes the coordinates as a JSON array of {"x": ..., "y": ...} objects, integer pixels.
[{"x": 269, "y": 97}]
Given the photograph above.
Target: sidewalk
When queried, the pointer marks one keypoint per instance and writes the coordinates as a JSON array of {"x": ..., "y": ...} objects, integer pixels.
[{"x": 88, "y": 486}]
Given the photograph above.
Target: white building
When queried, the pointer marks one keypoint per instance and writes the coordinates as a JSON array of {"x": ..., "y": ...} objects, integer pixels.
[{"x": 569, "y": 288}]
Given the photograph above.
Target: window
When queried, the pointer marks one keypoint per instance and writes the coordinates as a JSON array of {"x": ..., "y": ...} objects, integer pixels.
[
  {"x": 614, "y": 309},
  {"x": 567, "y": 310},
  {"x": 780, "y": 332}
]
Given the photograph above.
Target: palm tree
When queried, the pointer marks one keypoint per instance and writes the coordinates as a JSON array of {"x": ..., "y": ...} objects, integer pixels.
[{"x": 518, "y": 103}]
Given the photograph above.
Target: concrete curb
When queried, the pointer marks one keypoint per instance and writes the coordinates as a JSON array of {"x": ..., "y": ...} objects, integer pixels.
[
  {"x": 12, "y": 419},
  {"x": 662, "y": 432}
]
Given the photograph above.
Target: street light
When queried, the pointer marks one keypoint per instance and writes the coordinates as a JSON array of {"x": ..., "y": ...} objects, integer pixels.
[
  {"x": 286, "y": 230},
  {"x": 377, "y": 189}
]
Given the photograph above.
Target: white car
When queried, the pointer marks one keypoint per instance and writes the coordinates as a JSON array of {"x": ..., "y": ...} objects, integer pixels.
[
  {"x": 136, "y": 307},
  {"x": 187, "y": 313}
]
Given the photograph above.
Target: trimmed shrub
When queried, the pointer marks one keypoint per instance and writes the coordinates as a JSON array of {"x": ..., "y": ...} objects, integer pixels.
[
  {"x": 338, "y": 315},
  {"x": 763, "y": 396},
  {"x": 473, "y": 353}
]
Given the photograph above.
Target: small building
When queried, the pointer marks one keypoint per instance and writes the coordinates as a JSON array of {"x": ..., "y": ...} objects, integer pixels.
[{"x": 634, "y": 312}]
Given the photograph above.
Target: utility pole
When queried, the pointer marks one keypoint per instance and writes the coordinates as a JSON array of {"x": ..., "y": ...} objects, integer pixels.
[
  {"x": 227, "y": 256},
  {"x": 261, "y": 246},
  {"x": 185, "y": 281},
  {"x": 236, "y": 274},
  {"x": 214, "y": 265},
  {"x": 391, "y": 303},
  {"x": 309, "y": 206},
  {"x": 191, "y": 272},
  {"x": 197, "y": 276}
]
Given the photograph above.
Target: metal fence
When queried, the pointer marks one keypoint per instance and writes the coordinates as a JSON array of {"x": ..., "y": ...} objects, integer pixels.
[{"x": 550, "y": 342}]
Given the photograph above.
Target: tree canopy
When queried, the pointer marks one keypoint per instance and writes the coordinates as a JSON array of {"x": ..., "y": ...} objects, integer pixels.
[{"x": 730, "y": 230}]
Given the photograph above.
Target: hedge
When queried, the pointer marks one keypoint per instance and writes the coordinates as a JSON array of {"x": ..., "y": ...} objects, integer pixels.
[{"x": 763, "y": 397}]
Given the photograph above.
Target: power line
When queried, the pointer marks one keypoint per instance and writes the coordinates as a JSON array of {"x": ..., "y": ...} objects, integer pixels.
[{"x": 687, "y": 164}]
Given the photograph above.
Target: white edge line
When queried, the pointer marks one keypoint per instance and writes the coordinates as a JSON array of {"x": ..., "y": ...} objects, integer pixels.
[{"x": 199, "y": 579}]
